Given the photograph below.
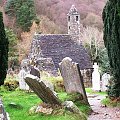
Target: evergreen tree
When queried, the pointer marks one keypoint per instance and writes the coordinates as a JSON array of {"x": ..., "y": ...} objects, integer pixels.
[
  {"x": 3, "y": 52},
  {"x": 13, "y": 55},
  {"x": 111, "y": 19},
  {"x": 23, "y": 11}
]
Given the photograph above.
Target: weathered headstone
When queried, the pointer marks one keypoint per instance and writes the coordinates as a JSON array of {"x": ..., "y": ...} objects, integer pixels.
[
  {"x": 25, "y": 63},
  {"x": 73, "y": 80},
  {"x": 35, "y": 71},
  {"x": 43, "y": 92},
  {"x": 3, "y": 114},
  {"x": 22, "y": 84},
  {"x": 105, "y": 79},
  {"x": 96, "y": 78},
  {"x": 87, "y": 77}
]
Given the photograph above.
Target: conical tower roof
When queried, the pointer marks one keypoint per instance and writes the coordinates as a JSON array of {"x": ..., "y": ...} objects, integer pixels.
[{"x": 73, "y": 11}]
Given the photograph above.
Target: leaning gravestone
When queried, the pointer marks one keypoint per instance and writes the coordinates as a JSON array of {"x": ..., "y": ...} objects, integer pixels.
[
  {"x": 105, "y": 79},
  {"x": 96, "y": 78},
  {"x": 73, "y": 80},
  {"x": 42, "y": 91}
]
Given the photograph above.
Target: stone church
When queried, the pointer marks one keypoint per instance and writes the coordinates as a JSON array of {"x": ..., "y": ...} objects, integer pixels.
[{"x": 50, "y": 49}]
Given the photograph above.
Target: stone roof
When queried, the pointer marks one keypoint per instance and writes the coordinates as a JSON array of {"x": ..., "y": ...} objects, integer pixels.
[
  {"x": 58, "y": 47},
  {"x": 73, "y": 11}
]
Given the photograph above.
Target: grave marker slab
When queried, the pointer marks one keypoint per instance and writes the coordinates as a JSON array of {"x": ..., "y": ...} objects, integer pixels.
[
  {"x": 96, "y": 78},
  {"x": 22, "y": 84},
  {"x": 3, "y": 114},
  {"x": 35, "y": 71},
  {"x": 105, "y": 79},
  {"x": 72, "y": 77},
  {"x": 42, "y": 91}
]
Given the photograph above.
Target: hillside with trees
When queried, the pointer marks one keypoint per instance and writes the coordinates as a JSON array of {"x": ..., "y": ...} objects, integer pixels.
[
  {"x": 50, "y": 17},
  {"x": 56, "y": 11}
]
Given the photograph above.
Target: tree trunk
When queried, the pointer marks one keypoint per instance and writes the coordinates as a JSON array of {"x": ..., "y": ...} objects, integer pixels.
[{"x": 111, "y": 19}]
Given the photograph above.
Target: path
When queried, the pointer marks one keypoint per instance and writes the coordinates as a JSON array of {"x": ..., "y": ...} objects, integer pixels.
[{"x": 101, "y": 112}]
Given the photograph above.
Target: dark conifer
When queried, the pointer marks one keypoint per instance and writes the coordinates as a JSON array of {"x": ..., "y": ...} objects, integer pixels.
[
  {"x": 111, "y": 19},
  {"x": 3, "y": 52}
]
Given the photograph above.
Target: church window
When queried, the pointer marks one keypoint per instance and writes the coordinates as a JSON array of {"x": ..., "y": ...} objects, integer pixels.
[
  {"x": 68, "y": 18},
  {"x": 69, "y": 27},
  {"x": 76, "y": 18}
]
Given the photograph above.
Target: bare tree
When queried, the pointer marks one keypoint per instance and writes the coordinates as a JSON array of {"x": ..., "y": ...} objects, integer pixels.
[{"x": 92, "y": 37}]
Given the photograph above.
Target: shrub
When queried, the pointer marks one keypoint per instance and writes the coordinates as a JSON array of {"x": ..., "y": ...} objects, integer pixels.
[
  {"x": 109, "y": 103},
  {"x": 11, "y": 85},
  {"x": 2, "y": 88},
  {"x": 57, "y": 81},
  {"x": 59, "y": 86}
]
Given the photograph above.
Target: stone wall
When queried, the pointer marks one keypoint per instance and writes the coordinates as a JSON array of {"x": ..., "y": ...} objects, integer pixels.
[
  {"x": 58, "y": 47},
  {"x": 47, "y": 64}
]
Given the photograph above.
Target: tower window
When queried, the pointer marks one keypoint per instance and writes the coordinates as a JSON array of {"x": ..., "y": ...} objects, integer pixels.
[
  {"x": 68, "y": 18},
  {"x": 76, "y": 18},
  {"x": 69, "y": 27}
]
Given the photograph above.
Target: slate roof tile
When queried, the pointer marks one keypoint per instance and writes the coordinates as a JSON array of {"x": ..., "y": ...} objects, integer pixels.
[{"x": 60, "y": 46}]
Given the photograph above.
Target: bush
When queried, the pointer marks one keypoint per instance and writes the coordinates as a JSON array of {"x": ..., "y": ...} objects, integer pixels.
[
  {"x": 57, "y": 81},
  {"x": 110, "y": 103},
  {"x": 11, "y": 85},
  {"x": 59, "y": 86},
  {"x": 2, "y": 88}
]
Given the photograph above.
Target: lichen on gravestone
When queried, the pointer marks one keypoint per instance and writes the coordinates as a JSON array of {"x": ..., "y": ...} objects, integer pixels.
[
  {"x": 42, "y": 91},
  {"x": 72, "y": 78},
  {"x": 3, "y": 114}
]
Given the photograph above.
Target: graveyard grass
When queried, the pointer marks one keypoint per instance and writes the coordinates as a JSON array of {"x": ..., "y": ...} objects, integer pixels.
[
  {"x": 90, "y": 91},
  {"x": 25, "y": 101},
  {"x": 111, "y": 103}
]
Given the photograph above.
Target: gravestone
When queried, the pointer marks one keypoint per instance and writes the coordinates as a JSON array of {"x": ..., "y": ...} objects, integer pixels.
[
  {"x": 96, "y": 78},
  {"x": 105, "y": 79},
  {"x": 22, "y": 84},
  {"x": 25, "y": 64},
  {"x": 35, "y": 71},
  {"x": 73, "y": 80},
  {"x": 3, "y": 114},
  {"x": 87, "y": 77},
  {"x": 42, "y": 91}
]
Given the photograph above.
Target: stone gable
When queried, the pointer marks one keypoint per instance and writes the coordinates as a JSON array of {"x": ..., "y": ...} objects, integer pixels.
[{"x": 58, "y": 47}]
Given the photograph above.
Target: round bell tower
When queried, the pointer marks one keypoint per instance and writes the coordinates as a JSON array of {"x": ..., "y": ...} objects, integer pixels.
[{"x": 73, "y": 18}]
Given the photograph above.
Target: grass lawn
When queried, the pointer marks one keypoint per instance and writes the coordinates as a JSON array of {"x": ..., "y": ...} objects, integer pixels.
[
  {"x": 90, "y": 91},
  {"x": 28, "y": 100},
  {"x": 111, "y": 103}
]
